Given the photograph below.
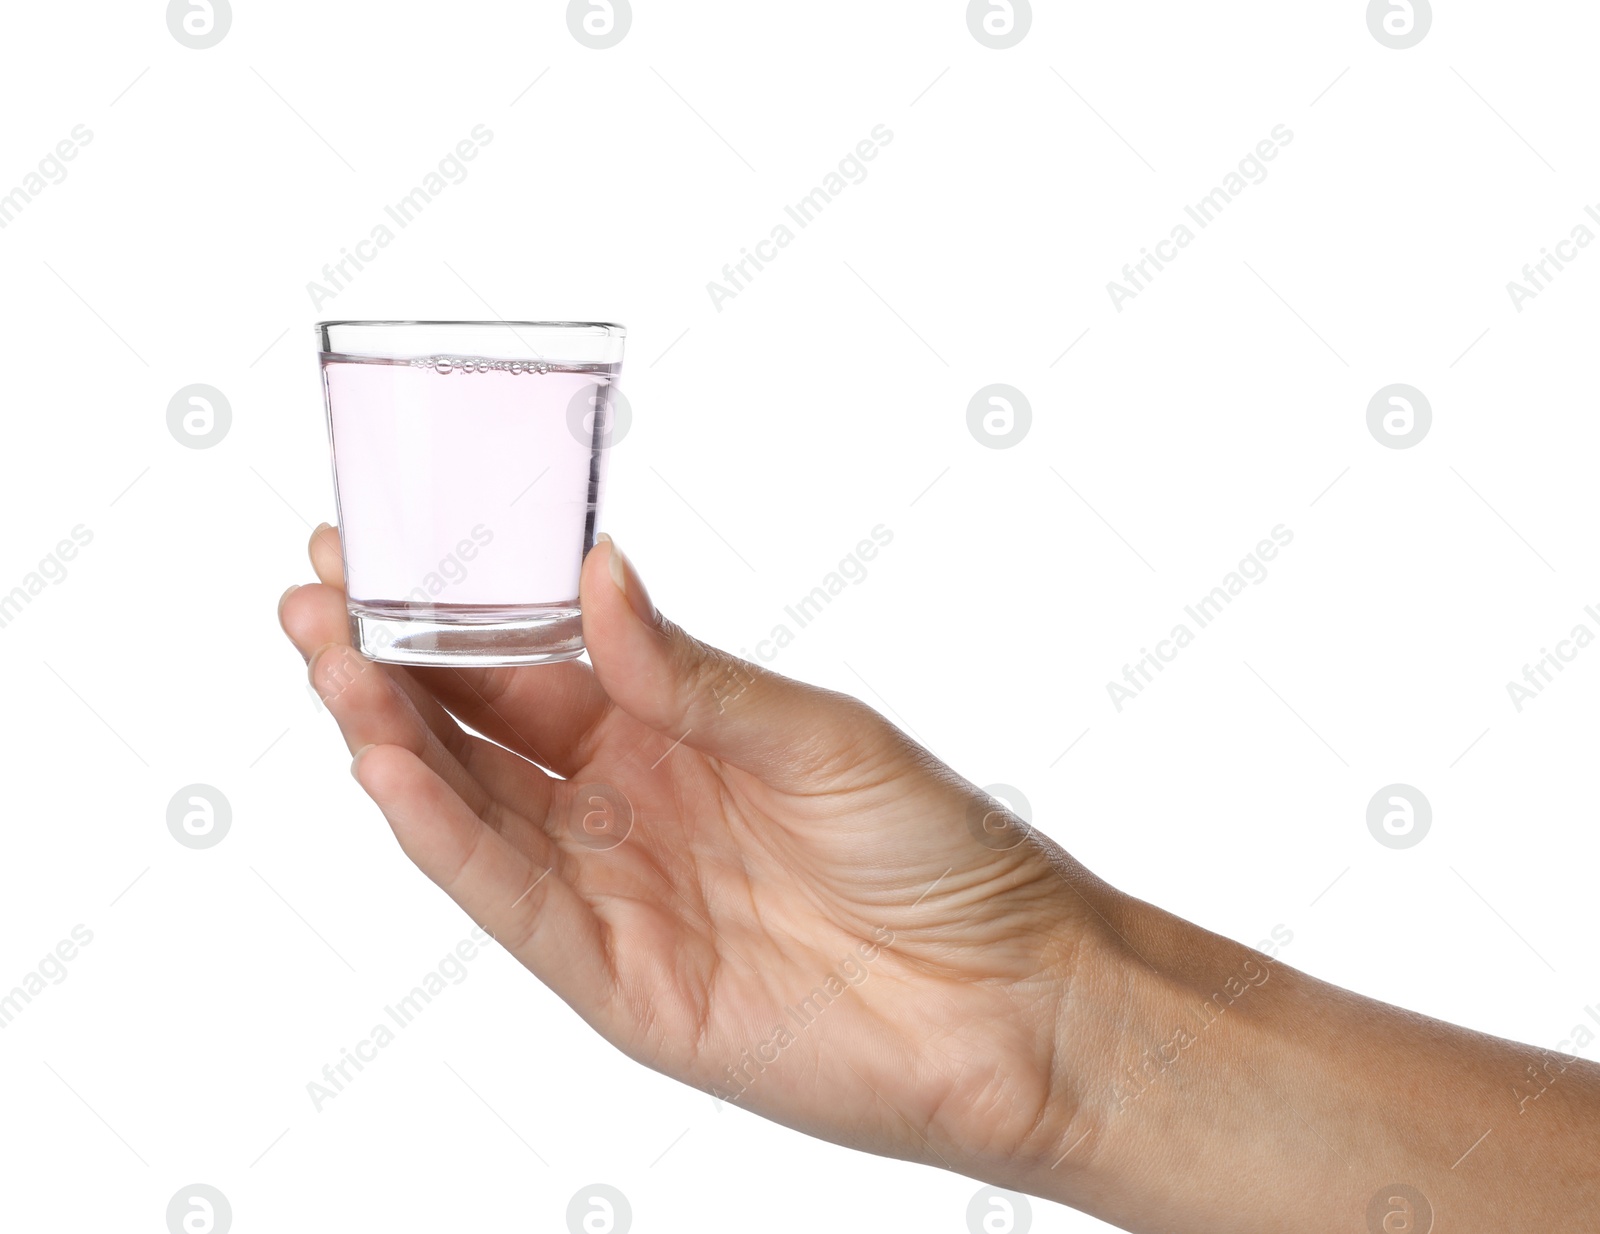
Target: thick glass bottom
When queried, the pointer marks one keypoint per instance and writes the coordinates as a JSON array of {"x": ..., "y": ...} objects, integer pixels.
[{"x": 467, "y": 635}]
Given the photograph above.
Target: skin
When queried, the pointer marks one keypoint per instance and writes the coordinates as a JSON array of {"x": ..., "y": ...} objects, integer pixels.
[{"x": 766, "y": 890}]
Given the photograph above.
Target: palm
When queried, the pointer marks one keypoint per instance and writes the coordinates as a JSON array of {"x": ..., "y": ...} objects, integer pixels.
[
  {"x": 727, "y": 923},
  {"x": 735, "y": 909}
]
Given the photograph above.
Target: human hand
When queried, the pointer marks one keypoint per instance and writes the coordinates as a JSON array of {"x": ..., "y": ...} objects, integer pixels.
[
  {"x": 756, "y": 886},
  {"x": 764, "y": 889}
]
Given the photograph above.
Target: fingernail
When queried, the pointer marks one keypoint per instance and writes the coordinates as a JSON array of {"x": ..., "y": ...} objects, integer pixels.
[
  {"x": 355, "y": 763},
  {"x": 320, "y": 528},
  {"x": 284, "y": 598},
  {"x": 630, "y": 584}
]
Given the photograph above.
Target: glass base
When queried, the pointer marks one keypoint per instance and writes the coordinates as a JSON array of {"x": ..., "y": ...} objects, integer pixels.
[{"x": 466, "y": 635}]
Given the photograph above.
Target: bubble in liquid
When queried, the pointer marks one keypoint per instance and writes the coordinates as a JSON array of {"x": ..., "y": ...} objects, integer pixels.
[{"x": 445, "y": 365}]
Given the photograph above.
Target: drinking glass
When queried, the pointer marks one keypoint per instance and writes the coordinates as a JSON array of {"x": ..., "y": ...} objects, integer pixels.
[{"x": 469, "y": 463}]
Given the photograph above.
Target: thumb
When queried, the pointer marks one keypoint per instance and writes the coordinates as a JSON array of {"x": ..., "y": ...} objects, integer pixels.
[{"x": 784, "y": 731}]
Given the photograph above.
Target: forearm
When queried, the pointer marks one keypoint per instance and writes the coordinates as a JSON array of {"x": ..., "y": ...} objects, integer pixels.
[{"x": 1223, "y": 1091}]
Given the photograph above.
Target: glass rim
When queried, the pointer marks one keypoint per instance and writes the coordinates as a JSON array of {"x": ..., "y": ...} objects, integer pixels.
[
  {"x": 564, "y": 342},
  {"x": 531, "y": 325}
]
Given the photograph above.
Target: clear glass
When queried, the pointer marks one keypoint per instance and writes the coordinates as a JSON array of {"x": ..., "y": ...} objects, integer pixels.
[{"x": 469, "y": 463}]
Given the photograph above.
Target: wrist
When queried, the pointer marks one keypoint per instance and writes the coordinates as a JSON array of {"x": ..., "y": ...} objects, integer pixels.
[
  {"x": 1215, "y": 1089},
  {"x": 1090, "y": 1011},
  {"x": 1154, "y": 1015}
]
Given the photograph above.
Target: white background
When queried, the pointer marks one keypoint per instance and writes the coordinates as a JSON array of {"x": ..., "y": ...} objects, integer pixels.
[{"x": 770, "y": 437}]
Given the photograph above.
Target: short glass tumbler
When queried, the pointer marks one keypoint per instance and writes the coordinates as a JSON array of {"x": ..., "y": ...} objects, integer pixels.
[{"x": 469, "y": 461}]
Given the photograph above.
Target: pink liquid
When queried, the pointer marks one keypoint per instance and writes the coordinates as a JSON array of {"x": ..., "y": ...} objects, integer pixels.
[{"x": 468, "y": 490}]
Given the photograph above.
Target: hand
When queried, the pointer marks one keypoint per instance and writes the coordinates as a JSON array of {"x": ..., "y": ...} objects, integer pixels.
[
  {"x": 756, "y": 886},
  {"x": 766, "y": 890}
]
